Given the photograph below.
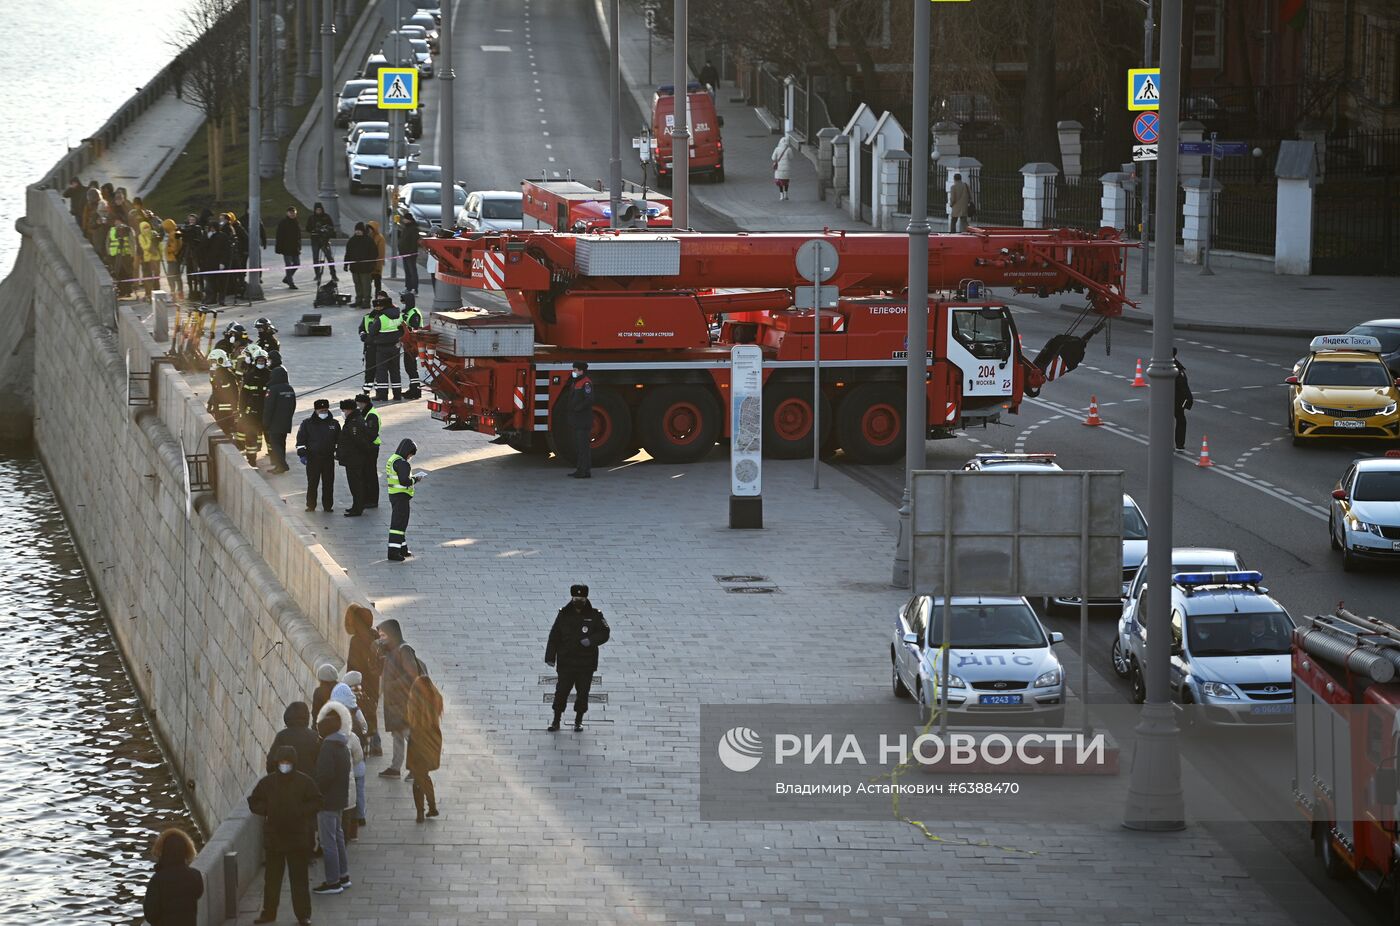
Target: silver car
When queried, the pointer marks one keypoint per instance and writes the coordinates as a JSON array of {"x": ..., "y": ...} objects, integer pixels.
[
  {"x": 1364, "y": 517},
  {"x": 1134, "y": 552},
  {"x": 1001, "y": 665}
]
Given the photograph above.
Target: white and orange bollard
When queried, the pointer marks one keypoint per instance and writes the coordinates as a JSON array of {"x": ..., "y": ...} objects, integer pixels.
[
  {"x": 1138, "y": 381},
  {"x": 1205, "y": 453},
  {"x": 1093, "y": 420}
]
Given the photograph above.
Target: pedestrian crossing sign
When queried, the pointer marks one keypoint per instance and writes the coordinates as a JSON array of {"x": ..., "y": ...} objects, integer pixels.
[
  {"x": 1144, "y": 88},
  {"x": 398, "y": 88}
]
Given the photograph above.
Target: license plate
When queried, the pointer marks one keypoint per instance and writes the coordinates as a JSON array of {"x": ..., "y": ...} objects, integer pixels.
[
  {"x": 1271, "y": 709},
  {"x": 1347, "y": 423},
  {"x": 1395, "y": 544},
  {"x": 1000, "y": 699}
]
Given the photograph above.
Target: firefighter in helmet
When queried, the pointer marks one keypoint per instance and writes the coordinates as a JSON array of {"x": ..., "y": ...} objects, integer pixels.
[
  {"x": 224, "y": 388},
  {"x": 267, "y": 335},
  {"x": 251, "y": 403}
]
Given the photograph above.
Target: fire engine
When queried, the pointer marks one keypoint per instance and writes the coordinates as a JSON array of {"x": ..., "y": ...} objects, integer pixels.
[
  {"x": 567, "y": 205},
  {"x": 656, "y": 315},
  {"x": 1346, "y": 739}
]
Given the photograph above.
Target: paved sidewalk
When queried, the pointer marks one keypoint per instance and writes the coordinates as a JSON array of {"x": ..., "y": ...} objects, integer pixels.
[
  {"x": 144, "y": 152},
  {"x": 748, "y": 195},
  {"x": 603, "y": 826}
]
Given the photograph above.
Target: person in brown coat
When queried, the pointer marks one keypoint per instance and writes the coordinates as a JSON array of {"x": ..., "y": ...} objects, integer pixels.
[
  {"x": 364, "y": 658},
  {"x": 379, "y": 246},
  {"x": 424, "y": 717}
]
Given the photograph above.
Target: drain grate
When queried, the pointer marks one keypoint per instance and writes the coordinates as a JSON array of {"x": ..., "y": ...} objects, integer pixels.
[
  {"x": 751, "y": 589},
  {"x": 740, "y": 580}
]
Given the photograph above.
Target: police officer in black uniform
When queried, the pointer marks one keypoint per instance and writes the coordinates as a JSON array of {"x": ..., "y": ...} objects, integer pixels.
[
  {"x": 1182, "y": 401},
  {"x": 412, "y": 321},
  {"x": 578, "y": 403},
  {"x": 574, "y": 639},
  {"x": 349, "y": 451}
]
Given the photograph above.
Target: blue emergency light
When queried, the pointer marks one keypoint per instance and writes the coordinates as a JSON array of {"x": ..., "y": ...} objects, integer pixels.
[{"x": 1193, "y": 579}]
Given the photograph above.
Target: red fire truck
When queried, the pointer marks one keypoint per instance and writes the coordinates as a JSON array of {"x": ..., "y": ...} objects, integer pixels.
[
  {"x": 1347, "y": 739},
  {"x": 656, "y": 315},
  {"x": 703, "y": 125},
  {"x": 567, "y": 205}
]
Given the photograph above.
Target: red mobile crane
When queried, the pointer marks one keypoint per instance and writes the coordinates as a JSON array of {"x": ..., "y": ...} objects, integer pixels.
[{"x": 655, "y": 316}]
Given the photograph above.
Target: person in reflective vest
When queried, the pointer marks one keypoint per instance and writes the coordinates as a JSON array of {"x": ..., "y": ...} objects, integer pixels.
[
  {"x": 120, "y": 251},
  {"x": 412, "y": 321},
  {"x": 369, "y": 487},
  {"x": 224, "y": 388},
  {"x": 384, "y": 330},
  {"x": 399, "y": 478}
]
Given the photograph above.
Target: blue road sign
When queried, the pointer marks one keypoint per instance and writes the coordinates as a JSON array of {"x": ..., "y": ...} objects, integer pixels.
[
  {"x": 398, "y": 88},
  {"x": 1146, "y": 128},
  {"x": 1144, "y": 88},
  {"x": 1223, "y": 149}
]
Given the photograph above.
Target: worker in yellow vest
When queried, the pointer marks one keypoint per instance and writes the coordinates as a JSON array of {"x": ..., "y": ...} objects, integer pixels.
[{"x": 400, "y": 480}]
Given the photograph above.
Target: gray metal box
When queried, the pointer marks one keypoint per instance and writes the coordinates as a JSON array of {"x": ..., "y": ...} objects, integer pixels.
[
  {"x": 628, "y": 255},
  {"x": 478, "y": 333}
]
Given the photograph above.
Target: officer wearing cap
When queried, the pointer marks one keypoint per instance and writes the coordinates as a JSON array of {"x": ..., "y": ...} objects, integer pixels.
[
  {"x": 573, "y": 644},
  {"x": 578, "y": 403},
  {"x": 316, "y": 445}
]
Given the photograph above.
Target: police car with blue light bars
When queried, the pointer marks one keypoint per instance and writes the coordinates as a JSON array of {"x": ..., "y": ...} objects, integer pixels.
[{"x": 1230, "y": 650}]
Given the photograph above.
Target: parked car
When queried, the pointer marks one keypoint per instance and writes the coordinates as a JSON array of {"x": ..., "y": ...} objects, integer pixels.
[
  {"x": 360, "y": 128},
  {"x": 492, "y": 210},
  {"x": 1363, "y": 518},
  {"x": 1134, "y": 552},
  {"x": 1184, "y": 559},
  {"x": 424, "y": 201},
  {"x": 422, "y": 57},
  {"x": 1002, "y": 664},
  {"x": 349, "y": 95}
]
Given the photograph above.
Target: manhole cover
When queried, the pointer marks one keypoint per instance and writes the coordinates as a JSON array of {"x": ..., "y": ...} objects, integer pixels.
[
  {"x": 751, "y": 590},
  {"x": 741, "y": 580}
]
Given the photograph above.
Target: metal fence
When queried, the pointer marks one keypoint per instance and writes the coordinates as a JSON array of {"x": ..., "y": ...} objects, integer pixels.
[
  {"x": 998, "y": 200},
  {"x": 1244, "y": 220},
  {"x": 1356, "y": 228},
  {"x": 1360, "y": 153},
  {"x": 1073, "y": 205}
]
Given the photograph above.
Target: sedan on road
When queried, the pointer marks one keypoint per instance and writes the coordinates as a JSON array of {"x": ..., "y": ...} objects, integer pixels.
[
  {"x": 349, "y": 94},
  {"x": 1000, "y": 660},
  {"x": 369, "y": 160},
  {"x": 1364, "y": 516},
  {"x": 424, "y": 202},
  {"x": 1343, "y": 390},
  {"x": 1134, "y": 552},
  {"x": 1184, "y": 559},
  {"x": 492, "y": 210}
]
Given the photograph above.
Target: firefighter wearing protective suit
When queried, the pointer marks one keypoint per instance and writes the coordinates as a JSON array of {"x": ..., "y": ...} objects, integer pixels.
[
  {"x": 267, "y": 335},
  {"x": 250, "y": 421},
  {"x": 233, "y": 342},
  {"x": 412, "y": 321},
  {"x": 224, "y": 388},
  {"x": 400, "y": 481}
]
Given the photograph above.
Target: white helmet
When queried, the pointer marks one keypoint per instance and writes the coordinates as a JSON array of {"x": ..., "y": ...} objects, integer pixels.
[
  {"x": 219, "y": 358},
  {"x": 254, "y": 352}
]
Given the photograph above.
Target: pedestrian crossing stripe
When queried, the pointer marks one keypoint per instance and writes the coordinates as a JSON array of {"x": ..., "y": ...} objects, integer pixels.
[
  {"x": 398, "y": 88},
  {"x": 1144, "y": 88}
]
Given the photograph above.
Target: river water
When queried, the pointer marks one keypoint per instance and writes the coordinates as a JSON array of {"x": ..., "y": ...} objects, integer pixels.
[{"x": 85, "y": 785}]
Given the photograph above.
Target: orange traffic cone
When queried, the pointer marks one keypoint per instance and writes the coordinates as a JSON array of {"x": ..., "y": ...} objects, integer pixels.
[
  {"x": 1138, "y": 381},
  {"x": 1205, "y": 453},
  {"x": 1093, "y": 420}
]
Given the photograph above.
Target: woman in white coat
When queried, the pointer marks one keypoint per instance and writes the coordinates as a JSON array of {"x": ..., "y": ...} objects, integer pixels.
[{"x": 782, "y": 163}]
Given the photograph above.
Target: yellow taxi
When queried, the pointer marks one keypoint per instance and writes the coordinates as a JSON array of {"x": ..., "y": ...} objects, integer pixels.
[{"x": 1344, "y": 390}]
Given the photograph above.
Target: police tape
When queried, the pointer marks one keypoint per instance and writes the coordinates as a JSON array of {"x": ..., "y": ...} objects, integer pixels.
[{"x": 241, "y": 270}]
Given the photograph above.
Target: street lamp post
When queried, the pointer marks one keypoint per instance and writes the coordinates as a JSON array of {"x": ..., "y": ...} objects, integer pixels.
[
  {"x": 916, "y": 343},
  {"x": 327, "y": 195},
  {"x": 253, "y": 289},
  {"x": 268, "y": 160},
  {"x": 1147, "y": 29},
  {"x": 445, "y": 296},
  {"x": 301, "y": 86},
  {"x": 615, "y": 95},
  {"x": 312, "y": 62},
  {"x": 282, "y": 112},
  {"x": 1155, "y": 800},
  {"x": 680, "y": 138}
]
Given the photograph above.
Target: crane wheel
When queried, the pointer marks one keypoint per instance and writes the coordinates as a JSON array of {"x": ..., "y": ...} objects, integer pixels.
[
  {"x": 533, "y": 445},
  {"x": 678, "y": 424},
  {"x": 870, "y": 423},
  {"x": 612, "y": 429},
  {"x": 787, "y": 420}
]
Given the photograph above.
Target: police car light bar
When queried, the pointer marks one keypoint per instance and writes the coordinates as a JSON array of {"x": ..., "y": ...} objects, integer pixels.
[
  {"x": 1015, "y": 456},
  {"x": 1191, "y": 579},
  {"x": 1344, "y": 342}
]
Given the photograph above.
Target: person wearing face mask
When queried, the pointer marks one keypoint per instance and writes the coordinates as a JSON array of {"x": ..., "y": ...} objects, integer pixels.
[
  {"x": 255, "y": 380},
  {"x": 578, "y": 631},
  {"x": 290, "y": 801},
  {"x": 297, "y": 734},
  {"x": 279, "y": 407},
  {"x": 401, "y": 483},
  {"x": 369, "y": 451},
  {"x": 348, "y": 450},
  {"x": 316, "y": 442},
  {"x": 578, "y": 405}
]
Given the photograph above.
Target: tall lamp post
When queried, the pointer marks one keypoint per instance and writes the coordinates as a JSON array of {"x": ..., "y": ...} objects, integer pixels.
[
  {"x": 615, "y": 95},
  {"x": 1155, "y": 800},
  {"x": 680, "y": 137},
  {"x": 1147, "y": 27},
  {"x": 916, "y": 349},
  {"x": 253, "y": 290},
  {"x": 268, "y": 160},
  {"x": 327, "y": 195},
  {"x": 445, "y": 296},
  {"x": 301, "y": 87}
]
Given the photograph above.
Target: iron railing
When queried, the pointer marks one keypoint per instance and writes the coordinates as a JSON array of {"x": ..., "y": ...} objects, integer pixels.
[
  {"x": 1073, "y": 205},
  {"x": 1244, "y": 220},
  {"x": 1360, "y": 153},
  {"x": 1356, "y": 227}
]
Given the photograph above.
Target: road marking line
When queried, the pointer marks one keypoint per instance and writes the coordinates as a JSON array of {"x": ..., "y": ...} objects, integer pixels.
[
  {"x": 495, "y": 48},
  {"x": 551, "y": 160},
  {"x": 1221, "y": 469}
]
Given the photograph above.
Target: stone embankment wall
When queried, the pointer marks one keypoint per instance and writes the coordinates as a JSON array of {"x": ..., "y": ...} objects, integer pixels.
[{"x": 220, "y": 600}]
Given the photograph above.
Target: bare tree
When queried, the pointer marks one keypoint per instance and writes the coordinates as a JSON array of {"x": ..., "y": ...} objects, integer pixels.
[{"x": 213, "y": 39}]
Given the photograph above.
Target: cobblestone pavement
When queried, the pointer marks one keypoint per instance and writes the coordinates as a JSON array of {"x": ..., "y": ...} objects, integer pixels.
[{"x": 603, "y": 825}]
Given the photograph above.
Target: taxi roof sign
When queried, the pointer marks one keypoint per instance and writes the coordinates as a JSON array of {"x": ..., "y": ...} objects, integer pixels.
[
  {"x": 398, "y": 88},
  {"x": 1344, "y": 342}
]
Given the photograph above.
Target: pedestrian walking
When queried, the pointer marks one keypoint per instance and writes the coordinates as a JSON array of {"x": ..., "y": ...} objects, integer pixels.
[
  {"x": 401, "y": 483},
  {"x": 255, "y": 382},
  {"x": 424, "y": 716},
  {"x": 348, "y": 813},
  {"x": 782, "y": 158},
  {"x": 412, "y": 321},
  {"x": 279, "y": 407},
  {"x": 173, "y": 245},
  {"x": 320, "y": 231},
  {"x": 377, "y": 280},
  {"x": 289, "y": 801},
  {"x": 289, "y": 245},
  {"x": 369, "y": 450},
  {"x": 578, "y": 631},
  {"x": 384, "y": 330},
  {"x": 709, "y": 77},
  {"x": 409, "y": 239},
  {"x": 317, "y": 437},
  {"x": 401, "y": 667},
  {"x": 172, "y": 894},
  {"x": 1182, "y": 401},
  {"x": 327, "y": 677},
  {"x": 364, "y": 659},
  {"x": 579, "y": 410},
  {"x": 191, "y": 235},
  {"x": 959, "y": 204},
  {"x": 350, "y": 455},
  {"x": 177, "y": 76},
  {"x": 334, "y": 775},
  {"x": 299, "y": 735},
  {"x": 360, "y": 257}
]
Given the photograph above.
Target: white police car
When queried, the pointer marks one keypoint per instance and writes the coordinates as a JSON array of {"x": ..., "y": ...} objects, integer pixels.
[
  {"x": 1184, "y": 559},
  {"x": 1012, "y": 463},
  {"x": 1229, "y": 651},
  {"x": 1001, "y": 665}
]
